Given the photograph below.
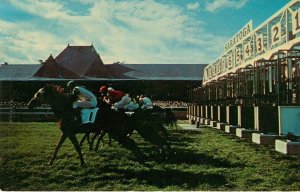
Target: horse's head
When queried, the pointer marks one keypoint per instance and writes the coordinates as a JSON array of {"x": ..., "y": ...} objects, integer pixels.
[
  {"x": 49, "y": 94},
  {"x": 37, "y": 99}
]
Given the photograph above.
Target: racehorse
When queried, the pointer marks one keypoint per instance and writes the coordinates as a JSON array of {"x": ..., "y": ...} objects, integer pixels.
[
  {"x": 149, "y": 124},
  {"x": 61, "y": 104},
  {"x": 168, "y": 116}
]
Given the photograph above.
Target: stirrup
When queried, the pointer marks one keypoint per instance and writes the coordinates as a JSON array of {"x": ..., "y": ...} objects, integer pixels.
[{"x": 114, "y": 108}]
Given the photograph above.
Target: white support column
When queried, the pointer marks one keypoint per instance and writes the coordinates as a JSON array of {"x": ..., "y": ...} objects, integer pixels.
[
  {"x": 240, "y": 116},
  {"x": 227, "y": 114},
  {"x": 256, "y": 118}
]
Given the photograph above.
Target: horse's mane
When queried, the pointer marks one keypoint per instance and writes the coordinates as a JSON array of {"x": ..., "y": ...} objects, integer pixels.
[
  {"x": 59, "y": 99},
  {"x": 55, "y": 89}
]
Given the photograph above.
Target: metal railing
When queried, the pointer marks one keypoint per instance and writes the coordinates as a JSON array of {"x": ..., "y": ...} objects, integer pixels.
[{"x": 11, "y": 113}]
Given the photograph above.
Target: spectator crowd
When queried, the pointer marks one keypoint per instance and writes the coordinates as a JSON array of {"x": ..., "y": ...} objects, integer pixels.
[
  {"x": 163, "y": 104},
  {"x": 170, "y": 104}
]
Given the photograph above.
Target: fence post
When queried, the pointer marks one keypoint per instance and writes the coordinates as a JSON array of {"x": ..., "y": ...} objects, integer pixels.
[{"x": 11, "y": 110}]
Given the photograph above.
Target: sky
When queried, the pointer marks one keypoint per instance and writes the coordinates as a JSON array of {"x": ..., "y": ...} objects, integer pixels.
[{"x": 129, "y": 31}]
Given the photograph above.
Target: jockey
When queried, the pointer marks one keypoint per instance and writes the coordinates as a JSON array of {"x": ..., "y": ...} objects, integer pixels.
[
  {"x": 145, "y": 102},
  {"x": 115, "y": 97},
  {"x": 132, "y": 105},
  {"x": 85, "y": 98}
]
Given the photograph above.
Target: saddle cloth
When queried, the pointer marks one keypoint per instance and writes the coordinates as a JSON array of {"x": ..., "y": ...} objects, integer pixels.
[
  {"x": 129, "y": 113},
  {"x": 88, "y": 115}
]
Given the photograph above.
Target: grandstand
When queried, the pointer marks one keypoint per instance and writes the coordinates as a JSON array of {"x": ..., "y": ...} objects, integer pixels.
[{"x": 84, "y": 64}]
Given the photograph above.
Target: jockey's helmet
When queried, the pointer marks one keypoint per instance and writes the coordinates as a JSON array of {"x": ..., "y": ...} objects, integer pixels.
[
  {"x": 102, "y": 89},
  {"x": 71, "y": 84},
  {"x": 141, "y": 97}
]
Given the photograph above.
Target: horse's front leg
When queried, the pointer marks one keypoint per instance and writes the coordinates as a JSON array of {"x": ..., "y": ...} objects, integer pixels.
[
  {"x": 100, "y": 137},
  {"x": 109, "y": 139},
  {"x": 83, "y": 139},
  {"x": 88, "y": 138},
  {"x": 75, "y": 142},
  {"x": 92, "y": 141},
  {"x": 60, "y": 142}
]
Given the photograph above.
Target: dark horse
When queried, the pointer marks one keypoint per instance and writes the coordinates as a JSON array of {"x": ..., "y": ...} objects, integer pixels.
[
  {"x": 149, "y": 124},
  {"x": 61, "y": 104}
]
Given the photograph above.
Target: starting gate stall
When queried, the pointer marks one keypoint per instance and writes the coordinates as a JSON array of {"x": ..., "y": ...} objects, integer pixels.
[
  {"x": 197, "y": 106},
  {"x": 221, "y": 88},
  {"x": 188, "y": 111},
  {"x": 210, "y": 99},
  {"x": 245, "y": 85},
  {"x": 289, "y": 92},
  {"x": 231, "y": 99},
  {"x": 288, "y": 70},
  {"x": 265, "y": 95},
  {"x": 205, "y": 102},
  {"x": 191, "y": 106},
  {"x": 221, "y": 97},
  {"x": 245, "y": 95},
  {"x": 265, "y": 85},
  {"x": 214, "y": 100},
  {"x": 213, "y": 86},
  {"x": 201, "y": 104}
]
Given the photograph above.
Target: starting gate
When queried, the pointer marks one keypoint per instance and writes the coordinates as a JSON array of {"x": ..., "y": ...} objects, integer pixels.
[{"x": 258, "y": 74}]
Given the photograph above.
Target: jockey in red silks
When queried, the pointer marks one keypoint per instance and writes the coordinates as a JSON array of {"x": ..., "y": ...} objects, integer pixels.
[
  {"x": 117, "y": 98},
  {"x": 85, "y": 98}
]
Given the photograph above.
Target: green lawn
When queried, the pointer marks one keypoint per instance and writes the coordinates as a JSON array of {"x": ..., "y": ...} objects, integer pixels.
[{"x": 204, "y": 160}]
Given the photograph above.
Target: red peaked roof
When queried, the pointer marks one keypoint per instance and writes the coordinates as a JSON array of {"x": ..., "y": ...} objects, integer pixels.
[
  {"x": 50, "y": 69},
  {"x": 82, "y": 61}
]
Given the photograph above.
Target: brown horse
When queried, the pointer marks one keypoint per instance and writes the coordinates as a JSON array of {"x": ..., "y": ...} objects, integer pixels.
[{"x": 61, "y": 104}]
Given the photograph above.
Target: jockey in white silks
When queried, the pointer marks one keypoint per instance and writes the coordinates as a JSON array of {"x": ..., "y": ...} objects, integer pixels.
[
  {"x": 146, "y": 103},
  {"x": 85, "y": 98}
]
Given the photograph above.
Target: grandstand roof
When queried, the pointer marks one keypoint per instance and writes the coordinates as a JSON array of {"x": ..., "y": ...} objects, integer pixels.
[
  {"x": 116, "y": 71},
  {"x": 165, "y": 71},
  {"x": 17, "y": 72}
]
